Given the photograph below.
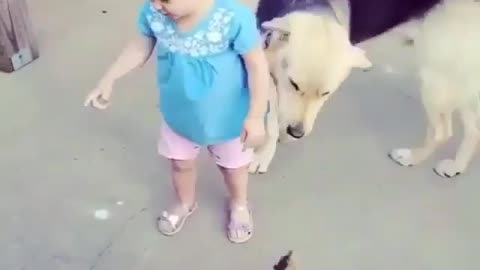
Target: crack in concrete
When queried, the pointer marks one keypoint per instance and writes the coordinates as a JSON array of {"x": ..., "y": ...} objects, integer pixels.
[
  {"x": 66, "y": 259},
  {"x": 141, "y": 263},
  {"x": 115, "y": 236}
]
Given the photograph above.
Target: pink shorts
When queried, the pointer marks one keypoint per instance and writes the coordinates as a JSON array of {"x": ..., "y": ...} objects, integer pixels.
[{"x": 230, "y": 155}]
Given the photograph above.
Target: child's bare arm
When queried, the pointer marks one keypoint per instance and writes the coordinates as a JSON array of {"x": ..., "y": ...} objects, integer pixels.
[
  {"x": 258, "y": 80},
  {"x": 135, "y": 54}
]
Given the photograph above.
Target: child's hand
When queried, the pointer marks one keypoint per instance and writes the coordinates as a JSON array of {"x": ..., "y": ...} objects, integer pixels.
[
  {"x": 254, "y": 132},
  {"x": 100, "y": 96}
]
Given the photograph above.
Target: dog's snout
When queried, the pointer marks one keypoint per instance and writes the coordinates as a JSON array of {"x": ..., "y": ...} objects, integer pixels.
[{"x": 296, "y": 131}]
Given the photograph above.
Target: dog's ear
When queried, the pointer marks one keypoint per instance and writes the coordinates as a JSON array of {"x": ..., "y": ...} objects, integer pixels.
[
  {"x": 359, "y": 58},
  {"x": 279, "y": 25},
  {"x": 285, "y": 263}
]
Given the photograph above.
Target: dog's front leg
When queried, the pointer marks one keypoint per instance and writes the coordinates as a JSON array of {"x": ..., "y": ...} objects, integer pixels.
[
  {"x": 451, "y": 168},
  {"x": 264, "y": 155}
]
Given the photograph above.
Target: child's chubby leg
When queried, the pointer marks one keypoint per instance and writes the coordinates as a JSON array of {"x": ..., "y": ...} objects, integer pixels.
[
  {"x": 182, "y": 153},
  {"x": 233, "y": 161}
]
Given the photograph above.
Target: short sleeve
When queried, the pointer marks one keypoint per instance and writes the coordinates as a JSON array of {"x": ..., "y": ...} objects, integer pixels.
[
  {"x": 246, "y": 35},
  {"x": 143, "y": 23}
]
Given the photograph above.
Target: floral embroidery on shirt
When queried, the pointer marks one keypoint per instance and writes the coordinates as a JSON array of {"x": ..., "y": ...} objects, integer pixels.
[{"x": 212, "y": 40}]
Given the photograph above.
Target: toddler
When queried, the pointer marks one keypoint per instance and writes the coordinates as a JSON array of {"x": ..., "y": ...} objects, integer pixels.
[{"x": 213, "y": 84}]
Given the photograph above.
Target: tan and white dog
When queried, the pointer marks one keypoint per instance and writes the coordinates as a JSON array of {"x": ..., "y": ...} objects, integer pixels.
[
  {"x": 310, "y": 55},
  {"x": 448, "y": 53}
]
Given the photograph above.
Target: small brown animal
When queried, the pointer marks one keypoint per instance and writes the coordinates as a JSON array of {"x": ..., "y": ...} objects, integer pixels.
[{"x": 285, "y": 263}]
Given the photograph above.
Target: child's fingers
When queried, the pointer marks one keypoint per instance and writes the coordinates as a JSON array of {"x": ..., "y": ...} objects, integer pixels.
[
  {"x": 88, "y": 100},
  {"x": 244, "y": 139},
  {"x": 100, "y": 103},
  {"x": 253, "y": 141},
  {"x": 96, "y": 100},
  {"x": 250, "y": 142}
]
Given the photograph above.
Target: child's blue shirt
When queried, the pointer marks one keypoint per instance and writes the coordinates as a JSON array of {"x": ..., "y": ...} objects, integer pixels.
[{"x": 204, "y": 94}]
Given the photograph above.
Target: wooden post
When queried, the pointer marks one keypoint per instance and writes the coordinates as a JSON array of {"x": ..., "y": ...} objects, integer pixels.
[{"x": 18, "y": 46}]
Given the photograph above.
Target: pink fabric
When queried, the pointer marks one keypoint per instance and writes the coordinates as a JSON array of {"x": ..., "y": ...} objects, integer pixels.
[{"x": 230, "y": 155}]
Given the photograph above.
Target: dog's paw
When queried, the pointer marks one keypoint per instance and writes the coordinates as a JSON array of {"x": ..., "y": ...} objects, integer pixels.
[
  {"x": 257, "y": 166},
  {"x": 402, "y": 156},
  {"x": 448, "y": 168}
]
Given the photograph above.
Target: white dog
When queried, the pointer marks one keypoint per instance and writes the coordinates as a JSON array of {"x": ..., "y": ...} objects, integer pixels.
[
  {"x": 310, "y": 55},
  {"x": 448, "y": 53}
]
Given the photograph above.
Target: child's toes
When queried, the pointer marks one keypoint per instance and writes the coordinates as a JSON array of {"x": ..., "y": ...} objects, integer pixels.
[{"x": 240, "y": 228}]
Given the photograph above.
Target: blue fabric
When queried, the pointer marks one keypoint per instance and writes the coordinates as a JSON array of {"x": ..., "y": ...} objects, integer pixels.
[{"x": 203, "y": 82}]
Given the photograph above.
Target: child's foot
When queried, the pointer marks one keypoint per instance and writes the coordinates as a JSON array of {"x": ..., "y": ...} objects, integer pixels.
[
  {"x": 171, "y": 222},
  {"x": 240, "y": 227}
]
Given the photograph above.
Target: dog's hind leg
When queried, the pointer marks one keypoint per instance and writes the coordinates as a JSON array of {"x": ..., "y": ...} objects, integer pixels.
[
  {"x": 436, "y": 101},
  {"x": 471, "y": 136}
]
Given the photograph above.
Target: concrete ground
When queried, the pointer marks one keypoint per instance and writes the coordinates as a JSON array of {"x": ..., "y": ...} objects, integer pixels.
[{"x": 334, "y": 198}]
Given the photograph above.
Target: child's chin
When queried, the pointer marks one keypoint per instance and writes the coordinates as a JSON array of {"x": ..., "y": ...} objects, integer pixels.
[{"x": 173, "y": 16}]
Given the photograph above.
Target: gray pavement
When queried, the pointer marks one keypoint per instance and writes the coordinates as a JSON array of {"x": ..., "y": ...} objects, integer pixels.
[{"x": 334, "y": 198}]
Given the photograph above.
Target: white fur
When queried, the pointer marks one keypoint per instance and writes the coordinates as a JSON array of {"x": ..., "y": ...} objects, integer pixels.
[
  {"x": 448, "y": 54},
  {"x": 264, "y": 154},
  {"x": 313, "y": 50}
]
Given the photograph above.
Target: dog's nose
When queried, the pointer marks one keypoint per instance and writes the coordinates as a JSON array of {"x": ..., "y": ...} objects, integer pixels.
[{"x": 296, "y": 131}]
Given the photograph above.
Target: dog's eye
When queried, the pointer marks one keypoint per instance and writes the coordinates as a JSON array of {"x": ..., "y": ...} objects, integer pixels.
[
  {"x": 324, "y": 94},
  {"x": 295, "y": 85},
  {"x": 268, "y": 37},
  {"x": 284, "y": 37}
]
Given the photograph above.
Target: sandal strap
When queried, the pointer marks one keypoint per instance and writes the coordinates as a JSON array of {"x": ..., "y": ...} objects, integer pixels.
[
  {"x": 246, "y": 227},
  {"x": 243, "y": 225},
  {"x": 170, "y": 218},
  {"x": 243, "y": 207},
  {"x": 174, "y": 219},
  {"x": 240, "y": 227}
]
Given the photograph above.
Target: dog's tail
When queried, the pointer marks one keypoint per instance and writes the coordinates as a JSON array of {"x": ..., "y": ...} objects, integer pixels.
[{"x": 285, "y": 262}]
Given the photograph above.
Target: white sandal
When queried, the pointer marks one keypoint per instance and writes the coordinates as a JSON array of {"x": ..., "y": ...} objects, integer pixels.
[
  {"x": 235, "y": 226},
  {"x": 169, "y": 224}
]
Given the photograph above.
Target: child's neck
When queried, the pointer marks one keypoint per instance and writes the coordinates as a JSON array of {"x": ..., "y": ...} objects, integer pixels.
[{"x": 188, "y": 22}]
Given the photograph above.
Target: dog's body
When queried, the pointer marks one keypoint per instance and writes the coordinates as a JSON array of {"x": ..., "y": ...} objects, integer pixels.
[
  {"x": 447, "y": 44},
  {"x": 448, "y": 56},
  {"x": 309, "y": 55}
]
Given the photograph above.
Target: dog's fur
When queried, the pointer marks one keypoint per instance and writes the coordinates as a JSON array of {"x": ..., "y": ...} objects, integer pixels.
[
  {"x": 448, "y": 57},
  {"x": 309, "y": 55},
  {"x": 446, "y": 41}
]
